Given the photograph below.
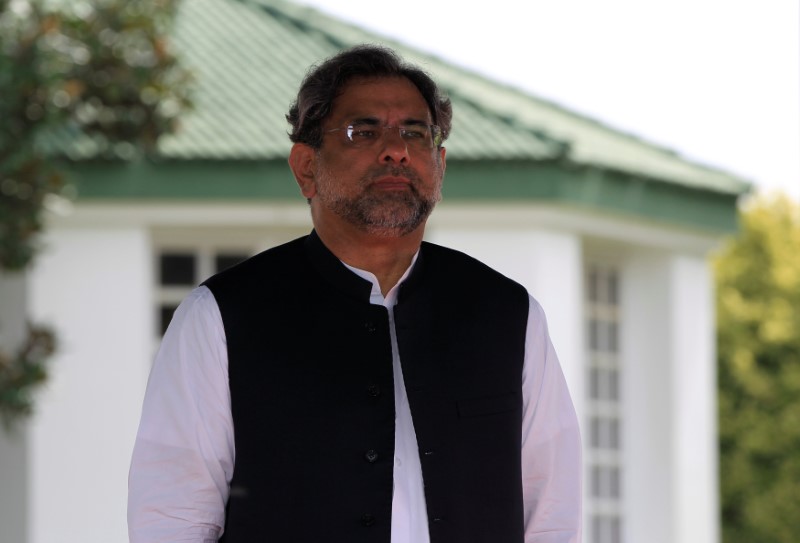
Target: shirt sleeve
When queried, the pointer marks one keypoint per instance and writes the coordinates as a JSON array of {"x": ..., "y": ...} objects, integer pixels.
[
  {"x": 551, "y": 444},
  {"x": 183, "y": 457}
]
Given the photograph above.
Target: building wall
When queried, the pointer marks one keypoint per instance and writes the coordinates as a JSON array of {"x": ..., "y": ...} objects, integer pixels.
[
  {"x": 95, "y": 285},
  {"x": 669, "y": 448}
]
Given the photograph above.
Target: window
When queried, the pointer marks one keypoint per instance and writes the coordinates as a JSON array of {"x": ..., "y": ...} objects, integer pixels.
[
  {"x": 604, "y": 424},
  {"x": 182, "y": 269}
]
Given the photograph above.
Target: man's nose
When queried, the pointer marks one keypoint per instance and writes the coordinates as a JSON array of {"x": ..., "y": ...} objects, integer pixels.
[{"x": 395, "y": 148}]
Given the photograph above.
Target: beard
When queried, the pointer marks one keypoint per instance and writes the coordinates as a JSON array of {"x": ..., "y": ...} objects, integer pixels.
[{"x": 376, "y": 211}]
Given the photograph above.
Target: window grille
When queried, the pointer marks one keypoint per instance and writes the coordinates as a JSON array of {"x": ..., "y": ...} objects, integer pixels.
[{"x": 604, "y": 452}]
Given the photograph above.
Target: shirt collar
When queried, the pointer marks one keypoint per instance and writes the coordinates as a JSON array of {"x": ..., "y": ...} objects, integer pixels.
[
  {"x": 376, "y": 296},
  {"x": 359, "y": 284}
]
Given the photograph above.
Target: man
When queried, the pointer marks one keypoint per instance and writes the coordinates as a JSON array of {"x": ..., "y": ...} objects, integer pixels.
[{"x": 359, "y": 384}]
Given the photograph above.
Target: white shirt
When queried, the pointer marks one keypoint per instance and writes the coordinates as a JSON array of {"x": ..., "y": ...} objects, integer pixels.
[{"x": 184, "y": 454}]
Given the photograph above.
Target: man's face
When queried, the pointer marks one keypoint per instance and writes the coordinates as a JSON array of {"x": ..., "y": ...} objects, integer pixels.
[{"x": 387, "y": 187}]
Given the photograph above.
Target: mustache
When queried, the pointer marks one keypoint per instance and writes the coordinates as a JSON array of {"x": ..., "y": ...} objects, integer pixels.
[{"x": 392, "y": 171}]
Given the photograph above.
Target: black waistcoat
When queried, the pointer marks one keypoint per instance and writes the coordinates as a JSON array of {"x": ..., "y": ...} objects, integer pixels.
[{"x": 312, "y": 398}]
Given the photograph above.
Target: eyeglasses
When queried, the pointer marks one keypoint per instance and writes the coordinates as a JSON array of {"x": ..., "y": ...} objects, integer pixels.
[{"x": 415, "y": 136}]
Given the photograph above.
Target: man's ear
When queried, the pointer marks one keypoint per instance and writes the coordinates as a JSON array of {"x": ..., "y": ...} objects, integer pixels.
[{"x": 302, "y": 161}]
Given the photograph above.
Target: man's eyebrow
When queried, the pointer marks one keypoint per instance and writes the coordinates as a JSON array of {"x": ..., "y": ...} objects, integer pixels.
[
  {"x": 416, "y": 122},
  {"x": 410, "y": 121},
  {"x": 366, "y": 120}
]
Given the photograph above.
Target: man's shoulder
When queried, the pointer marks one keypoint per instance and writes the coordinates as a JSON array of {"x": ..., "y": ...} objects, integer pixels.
[
  {"x": 467, "y": 287},
  {"x": 276, "y": 261},
  {"x": 459, "y": 266}
]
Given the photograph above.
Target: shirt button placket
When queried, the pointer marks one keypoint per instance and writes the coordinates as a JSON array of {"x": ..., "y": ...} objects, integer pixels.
[{"x": 371, "y": 456}]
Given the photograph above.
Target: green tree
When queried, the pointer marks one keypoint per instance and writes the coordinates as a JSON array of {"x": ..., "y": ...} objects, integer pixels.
[
  {"x": 758, "y": 308},
  {"x": 77, "y": 79}
]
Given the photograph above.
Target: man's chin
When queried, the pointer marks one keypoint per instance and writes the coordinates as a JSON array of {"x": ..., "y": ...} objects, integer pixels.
[
  {"x": 385, "y": 213},
  {"x": 395, "y": 222}
]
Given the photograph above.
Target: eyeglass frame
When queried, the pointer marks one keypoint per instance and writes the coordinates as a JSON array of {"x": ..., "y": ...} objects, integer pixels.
[{"x": 436, "y": 134}]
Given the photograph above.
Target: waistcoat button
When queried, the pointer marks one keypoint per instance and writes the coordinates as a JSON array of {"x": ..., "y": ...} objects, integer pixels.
[
  {"x": 367, "y": 519},
  {"x": 374, "y": 390},
  {"x": 371, "y": 456},
  {"x": 370, "y": 326}
]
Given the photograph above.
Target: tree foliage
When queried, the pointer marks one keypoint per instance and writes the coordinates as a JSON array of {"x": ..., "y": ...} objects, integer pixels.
[
  {"x": 758, "y": 308},
  {"x": 92, "y": 74},
  {"x": 20, "y": 374},
  {"x": 89, "y": 79}
]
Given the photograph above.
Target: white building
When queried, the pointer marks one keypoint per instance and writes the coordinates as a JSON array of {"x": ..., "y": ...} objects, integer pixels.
[{"x": 608, "y": 232}]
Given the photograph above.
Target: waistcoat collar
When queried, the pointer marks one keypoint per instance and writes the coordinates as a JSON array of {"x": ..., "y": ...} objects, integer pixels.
[{"x": 331, "y": 270}]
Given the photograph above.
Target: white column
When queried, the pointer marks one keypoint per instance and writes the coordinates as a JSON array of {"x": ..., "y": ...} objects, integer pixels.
[
  {"x": 670, "y": 432},
  {"x": 14, "y": 445},
  {"x": 93, "y": 286},
  {"x": 646, "y": 351},
  {"x": 694, "y": 392},
  {"x": 549, "y": 264}
]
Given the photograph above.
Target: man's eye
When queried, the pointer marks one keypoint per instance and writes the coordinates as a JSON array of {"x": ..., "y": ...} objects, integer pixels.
[
  {"x": 414, "y": 133},
  {"x": 363, "y": 132}
]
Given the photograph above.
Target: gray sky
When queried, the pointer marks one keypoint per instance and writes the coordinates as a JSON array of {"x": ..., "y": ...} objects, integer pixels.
[{"x": 718, "y": 81}]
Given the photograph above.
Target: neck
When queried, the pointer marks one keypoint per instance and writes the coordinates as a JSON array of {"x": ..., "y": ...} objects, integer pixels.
[{"x": 386, "y": 257}]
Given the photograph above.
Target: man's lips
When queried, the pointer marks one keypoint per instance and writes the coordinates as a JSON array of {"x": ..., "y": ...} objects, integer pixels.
[{"x": 392, "y": 183}]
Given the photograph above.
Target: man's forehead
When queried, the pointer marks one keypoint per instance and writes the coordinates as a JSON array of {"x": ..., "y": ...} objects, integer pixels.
[{"x": 375, "y": 95}]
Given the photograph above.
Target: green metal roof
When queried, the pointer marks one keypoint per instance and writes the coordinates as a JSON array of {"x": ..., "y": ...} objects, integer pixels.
[{"x": 249, "y": 57}]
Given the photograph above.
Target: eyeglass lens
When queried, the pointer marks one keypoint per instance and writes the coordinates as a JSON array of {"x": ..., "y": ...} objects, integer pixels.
[{"x": 416, "y": 136}]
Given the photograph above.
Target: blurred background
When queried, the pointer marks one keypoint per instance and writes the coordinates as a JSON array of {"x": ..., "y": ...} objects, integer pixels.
[
  {"x": 716, "y": 81},
  {"x": 635, "y": 166}
]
